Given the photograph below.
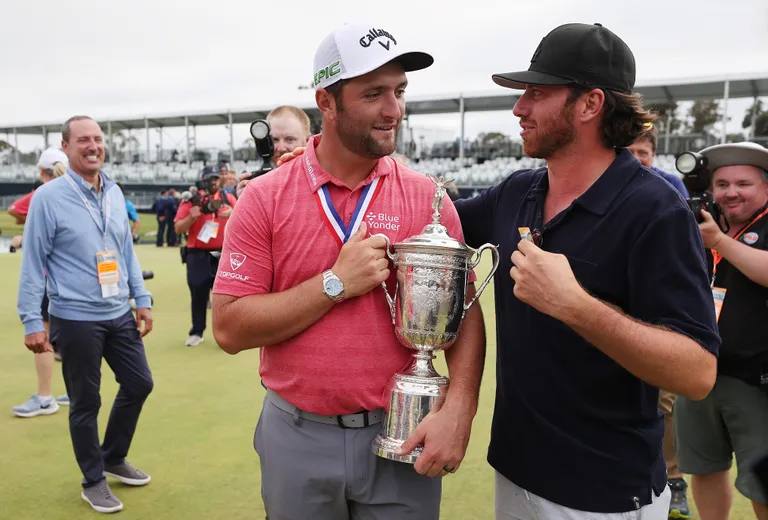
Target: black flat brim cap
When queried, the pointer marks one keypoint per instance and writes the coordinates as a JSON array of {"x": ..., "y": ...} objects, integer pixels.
[
  {"x": 518, "y": 80},
  {"x": 577, "y": 54}
]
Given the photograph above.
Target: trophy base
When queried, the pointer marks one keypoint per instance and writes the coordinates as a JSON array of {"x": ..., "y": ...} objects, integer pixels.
[
  {"x": 412, "y": 398},
  {"x": 387, "y": 448}
]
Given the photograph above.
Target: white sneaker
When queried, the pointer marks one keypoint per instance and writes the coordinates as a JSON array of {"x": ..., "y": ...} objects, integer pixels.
[
  {"x": 193, "y": 340},
  {"x": 35, "y": 406}
]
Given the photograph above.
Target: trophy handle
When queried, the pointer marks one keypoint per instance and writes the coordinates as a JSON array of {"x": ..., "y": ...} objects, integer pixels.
[
  {"x": 473, "y": 263},
  {"x": 390, "y": 299},
  {"x": 392, "y": 257}
]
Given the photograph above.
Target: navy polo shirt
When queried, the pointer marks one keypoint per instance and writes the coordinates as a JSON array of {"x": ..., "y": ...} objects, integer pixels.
[{"x": 569, "y": 423}]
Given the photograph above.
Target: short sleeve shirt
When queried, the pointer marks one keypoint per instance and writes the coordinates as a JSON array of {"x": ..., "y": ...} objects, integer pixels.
[
  {"x": 744, "y": 317},
  {"x": 214, "y": 243},
  {"x": 570, "y": 424},
  {"x": 280, "y": 236},
  {"x": 21, "y": 205}
]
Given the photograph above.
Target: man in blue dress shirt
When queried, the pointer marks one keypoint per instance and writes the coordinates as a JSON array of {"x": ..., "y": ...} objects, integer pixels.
[{"x": 78, "y": 243}]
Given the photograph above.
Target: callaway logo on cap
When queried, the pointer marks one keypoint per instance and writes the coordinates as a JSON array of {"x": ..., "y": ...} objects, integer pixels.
[{"x": 354, "y": 50}]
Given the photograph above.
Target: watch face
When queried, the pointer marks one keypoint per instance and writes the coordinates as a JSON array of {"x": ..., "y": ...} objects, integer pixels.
[{"x": 333, "y": 287}]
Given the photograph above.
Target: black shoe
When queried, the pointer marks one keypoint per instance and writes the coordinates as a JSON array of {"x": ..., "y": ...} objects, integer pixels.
[{"x": 678, "y": 506}]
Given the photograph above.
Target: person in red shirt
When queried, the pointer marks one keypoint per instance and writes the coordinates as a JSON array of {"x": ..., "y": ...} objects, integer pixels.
[
  {"x": 52, "y": 163},
  {"x": 203, "y": 218},
  {"x": 300, "y": 278}
]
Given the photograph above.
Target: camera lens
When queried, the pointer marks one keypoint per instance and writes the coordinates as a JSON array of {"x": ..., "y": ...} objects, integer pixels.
[
  {"x": 259, "y": 129},
  {"x": 686, "y": 162}
]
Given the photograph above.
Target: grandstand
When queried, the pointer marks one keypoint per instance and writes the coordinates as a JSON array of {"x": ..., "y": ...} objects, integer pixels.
[{"x": 16, "y": 178}]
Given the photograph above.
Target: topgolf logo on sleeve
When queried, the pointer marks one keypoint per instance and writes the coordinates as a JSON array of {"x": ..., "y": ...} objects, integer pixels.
[{"x": 236, "y": 260}]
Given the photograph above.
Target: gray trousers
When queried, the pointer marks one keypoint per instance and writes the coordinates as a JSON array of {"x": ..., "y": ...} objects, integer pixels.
[{"x": 319, "y": 471}]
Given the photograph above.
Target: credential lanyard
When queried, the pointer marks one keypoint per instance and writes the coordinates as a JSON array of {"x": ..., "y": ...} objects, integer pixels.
[
  {"x": 106, "y": 203},
  {"x": 717, "y": 257}
]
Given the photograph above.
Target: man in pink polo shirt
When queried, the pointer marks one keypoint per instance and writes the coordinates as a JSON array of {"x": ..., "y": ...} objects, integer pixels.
[{"x": 300, "y": 277}]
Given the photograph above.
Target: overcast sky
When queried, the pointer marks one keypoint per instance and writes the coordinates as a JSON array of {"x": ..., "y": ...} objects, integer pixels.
[{"x": 127, "y": 59}]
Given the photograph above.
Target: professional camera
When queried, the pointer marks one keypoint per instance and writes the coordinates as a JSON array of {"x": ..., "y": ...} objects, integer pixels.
[
  {"x": 205, "y": 201},
  {"x": 697, "y": 178},
  {"x": 265, "y": 148}
]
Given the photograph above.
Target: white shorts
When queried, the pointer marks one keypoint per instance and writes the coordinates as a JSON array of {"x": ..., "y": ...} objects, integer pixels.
[{"x": 515, "y": 503}]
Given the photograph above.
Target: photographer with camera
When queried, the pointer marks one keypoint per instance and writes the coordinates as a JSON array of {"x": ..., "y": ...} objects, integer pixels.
[
  {"x": 203, "y": 216},
  {"x": 53, "y": 163},
  {"x": 289, "y": 128},
  {"x": 734, "y": 417}
]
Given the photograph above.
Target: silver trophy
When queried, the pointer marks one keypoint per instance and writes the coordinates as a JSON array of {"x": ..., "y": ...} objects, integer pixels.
[{"x": 427, "y": 310}]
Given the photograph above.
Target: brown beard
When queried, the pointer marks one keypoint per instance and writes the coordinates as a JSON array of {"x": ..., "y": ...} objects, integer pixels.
[
  {"x": 560, "y": 133},
  {"x": 359, "y": 140}
]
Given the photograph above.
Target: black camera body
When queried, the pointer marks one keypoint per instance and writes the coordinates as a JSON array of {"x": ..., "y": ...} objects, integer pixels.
[
  {"x": 265, "y": 148},
  {"x": 206, "y": 203},
  {"x": 697, "y": 178}
]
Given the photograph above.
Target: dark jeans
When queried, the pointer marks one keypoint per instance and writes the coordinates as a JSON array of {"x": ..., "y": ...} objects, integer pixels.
[
  {"x": 165, "y": 231},
  {"x": 201, "y": 272},
  {"x": 82, "y": 344}
]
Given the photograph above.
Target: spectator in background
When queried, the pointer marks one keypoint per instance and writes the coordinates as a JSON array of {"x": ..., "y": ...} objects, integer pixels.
[
  {"x": 53, "y": 163},
  {"x": 203, "y": 216},
  {"x": 171, "y": 238},
  {"x": 133, "y": 215},
  {"x": 733, "y": 419},
  {"x": 164, "y": 207},
  {"x": 47, "y": 171},
  {"x": 289, "y": 127},
  {"x": 229, "y": 183},
  {"x": 78, "y": 242},
  {"x": 644, "y": 150}
]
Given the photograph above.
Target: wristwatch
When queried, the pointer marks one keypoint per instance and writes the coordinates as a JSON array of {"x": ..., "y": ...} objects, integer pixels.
[{"x": 333, "y": 287}]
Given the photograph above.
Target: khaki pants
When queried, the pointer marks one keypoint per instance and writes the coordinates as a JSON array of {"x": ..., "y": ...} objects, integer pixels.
[{"x": 666, "y": 406}]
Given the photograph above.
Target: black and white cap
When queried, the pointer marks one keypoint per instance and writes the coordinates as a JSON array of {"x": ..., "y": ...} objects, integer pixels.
[{"x": 355, "y": 49}]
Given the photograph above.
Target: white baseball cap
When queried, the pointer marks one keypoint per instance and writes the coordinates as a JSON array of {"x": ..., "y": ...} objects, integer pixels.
[
  {"x": 735, "y": 154},
  {"x": 50, "y": 157},
  {"x": 354, "y": 50}
]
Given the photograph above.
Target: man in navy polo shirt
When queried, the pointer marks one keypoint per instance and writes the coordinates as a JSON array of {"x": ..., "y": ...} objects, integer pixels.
[{"x": 606, "y": 304}]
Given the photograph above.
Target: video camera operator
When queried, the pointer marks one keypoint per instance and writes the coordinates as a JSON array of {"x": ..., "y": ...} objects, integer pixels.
[
  {"x": 203, "y": 216},
  {"x": 289, "y": 129},
  {"x": 734, "y": 417}
]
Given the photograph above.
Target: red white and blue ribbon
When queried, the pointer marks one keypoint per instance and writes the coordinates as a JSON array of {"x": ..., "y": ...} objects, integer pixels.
[{"x": 334, "y": 220}]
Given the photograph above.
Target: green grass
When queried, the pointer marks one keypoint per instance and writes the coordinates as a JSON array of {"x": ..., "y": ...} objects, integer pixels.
[{"x": 196, "y": 429}]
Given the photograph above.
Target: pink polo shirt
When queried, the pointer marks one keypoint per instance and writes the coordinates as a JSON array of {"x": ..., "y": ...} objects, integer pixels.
[{"x": 279, "y": 236}]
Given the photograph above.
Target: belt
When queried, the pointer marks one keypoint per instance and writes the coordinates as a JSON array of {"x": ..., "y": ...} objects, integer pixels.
[{"x": 351, "y": 420}]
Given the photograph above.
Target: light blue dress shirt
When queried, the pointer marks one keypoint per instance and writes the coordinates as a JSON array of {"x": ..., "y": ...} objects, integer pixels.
[{"x": 61, "y": 239}]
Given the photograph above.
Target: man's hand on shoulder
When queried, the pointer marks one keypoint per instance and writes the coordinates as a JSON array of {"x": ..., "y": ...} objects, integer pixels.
[
  {"x": 296, "y": 152},
  {"x": 144, "y": 321},
  {"x": 37, "y": 342}
]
